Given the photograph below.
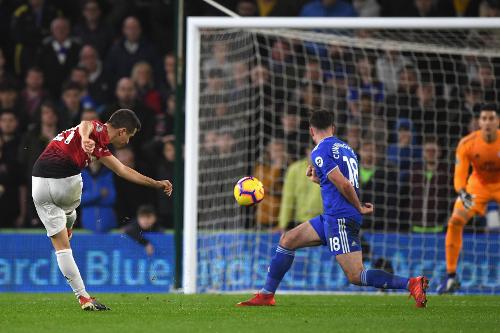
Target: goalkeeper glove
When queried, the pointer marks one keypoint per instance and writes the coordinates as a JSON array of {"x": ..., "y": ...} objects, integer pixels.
[{"x": 467, "y": 199}]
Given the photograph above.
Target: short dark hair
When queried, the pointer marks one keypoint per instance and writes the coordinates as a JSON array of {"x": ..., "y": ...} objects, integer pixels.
[
  {"x": 146, "y": 210},
  {"x": 489, "y": 107},
  {"x": 125, "y": 118},
  {"x": 321, "y": 119},
  {"x": 71, "y": 85}
]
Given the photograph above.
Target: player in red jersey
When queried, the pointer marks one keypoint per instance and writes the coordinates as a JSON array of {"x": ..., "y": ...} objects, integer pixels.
[{"x": 57, "y": 184}]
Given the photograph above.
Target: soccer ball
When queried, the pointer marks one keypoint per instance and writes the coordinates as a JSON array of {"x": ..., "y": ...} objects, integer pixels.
[{"x": 248, "y": 191}]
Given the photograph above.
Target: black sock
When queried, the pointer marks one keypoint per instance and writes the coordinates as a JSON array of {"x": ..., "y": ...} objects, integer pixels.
[{"x": 452, "y": 275}]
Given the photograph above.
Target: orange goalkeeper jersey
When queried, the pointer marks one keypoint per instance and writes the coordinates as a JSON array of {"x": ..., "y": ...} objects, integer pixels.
[{"x": 484, "y": 158}]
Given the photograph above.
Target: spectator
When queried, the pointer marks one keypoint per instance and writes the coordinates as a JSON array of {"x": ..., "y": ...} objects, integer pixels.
[
  {"x": 166, "y": 127},
  {"x": 401, "y": 104},
  {"x": 44, "y": 129},
  {"x": 388, "y": 68},
  {"x": 128, "y": 50},
  {"x": 489, "y": 8},
  {"x": 294, "y": 133},
  {"x": 353, "y": 135},
  {"x": 5, "y": 75},
  {"x": 366, "y": 84},
  {"x": 169, "y": 82},
  {"x": 33, "y": 94},
  {"x": 129, "y": 196},
  {"x": 212, "y": 94},
  {"x": 328, "y": 8},
  {"x": 301, "y": 198},
  {"x": 30, "y": 24},
  {"x": 462, "y": 114},
  {"x": 58, "y": 55},
  {"x": 247, "y": 8},
  {"x": 270, "y": 171},
  {"x": 430, "y": 114},
  {"x": 366, "y": 8},
  {"x": 144, "y": 222},
  {"x": 404, "y": 154},
  {"x": 142, "y": 76},
  {"x": 218, "y": 59},
  {"x": 92, "y": 29},
  {"x": 70, "y": 107},
  {"x": 336, "y": 89},
  {"x": 431, "y": 190},
  {"x": 13, "y": 209},
  {"x": 284, "y": 78},
  {"x": 486, "y": 78},
  {"x": 370, "y": 121},
  {"x": 309, "y": 97},
  {"x": 98, "y": 85},
  {"x": 161, "y": 153},
  {"x": 312, "y": 72},
  {"x": 377, "y": 185},
  {"x": 126, "y": 98},
  {"x": 9, "y": 98},
  {"x": 80, "y": 75},
  {"x": 98, "y": 198}
]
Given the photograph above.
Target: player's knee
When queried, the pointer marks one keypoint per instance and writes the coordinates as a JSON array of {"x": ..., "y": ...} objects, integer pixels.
[
  {"x": 289, "y": 240},
  {"x": 457, "y": 220}
]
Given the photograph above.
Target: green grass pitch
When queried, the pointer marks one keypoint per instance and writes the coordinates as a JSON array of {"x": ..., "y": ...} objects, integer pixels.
[{"x": 218, "y": 313}]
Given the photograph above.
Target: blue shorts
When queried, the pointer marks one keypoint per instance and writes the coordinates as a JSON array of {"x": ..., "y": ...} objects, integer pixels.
[{"x": 340, "y": 234}]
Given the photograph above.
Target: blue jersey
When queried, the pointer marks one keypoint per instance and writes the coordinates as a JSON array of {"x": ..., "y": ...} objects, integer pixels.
[{"x": 329, "y": 154}]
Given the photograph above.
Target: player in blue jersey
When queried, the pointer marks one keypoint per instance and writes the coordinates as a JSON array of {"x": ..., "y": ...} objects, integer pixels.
[{"x": 335, "y": 169}]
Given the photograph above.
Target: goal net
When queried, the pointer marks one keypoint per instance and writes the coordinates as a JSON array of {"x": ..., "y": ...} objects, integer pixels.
[{"x": 403, "y": 94}]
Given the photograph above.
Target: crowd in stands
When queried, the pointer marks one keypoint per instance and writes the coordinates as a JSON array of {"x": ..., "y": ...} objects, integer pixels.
[
  {"x": 66, "y": 61},
  {"x": 62, "y": 62},
  {"x": 403, "y": 112}
]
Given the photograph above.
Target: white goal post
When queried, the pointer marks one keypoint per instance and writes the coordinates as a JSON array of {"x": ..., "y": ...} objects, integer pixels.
[{"x": 195, "y": 26}]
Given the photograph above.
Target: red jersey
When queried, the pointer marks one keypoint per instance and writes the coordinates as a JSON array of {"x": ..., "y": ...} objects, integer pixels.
[{"x": 64, "y": 156}]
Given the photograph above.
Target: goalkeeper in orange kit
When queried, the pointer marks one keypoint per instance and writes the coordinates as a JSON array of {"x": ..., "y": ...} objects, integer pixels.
[{"x": 481, "y": 150}]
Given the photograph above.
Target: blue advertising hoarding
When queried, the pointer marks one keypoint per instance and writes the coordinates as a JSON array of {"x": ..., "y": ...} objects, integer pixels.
[
  {"x": 233, "y": 262},
  {"x": 107, "y": 263},
  {"x": 244, "y": 266}
]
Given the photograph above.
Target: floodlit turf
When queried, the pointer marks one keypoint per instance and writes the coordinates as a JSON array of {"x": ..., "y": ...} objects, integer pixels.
[{"x": 218, "y": 313}]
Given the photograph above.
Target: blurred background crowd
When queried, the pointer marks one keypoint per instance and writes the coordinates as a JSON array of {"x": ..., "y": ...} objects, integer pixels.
[{"x": 66, "y": 61}]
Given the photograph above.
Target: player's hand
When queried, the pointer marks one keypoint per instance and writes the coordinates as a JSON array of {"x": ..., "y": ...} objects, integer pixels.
[
  {"x": 467, "y": 199},
  {"x": 88, "y": 145},
  {"x": 311, "y": 174},
  {"x": 165, "y": 186},
  {"x": 366, "y": 208}
]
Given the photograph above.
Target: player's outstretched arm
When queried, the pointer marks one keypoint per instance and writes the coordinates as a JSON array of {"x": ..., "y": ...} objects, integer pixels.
[
  {"x": 345, "y": 187},
  {"x": 133, "y": 176}
]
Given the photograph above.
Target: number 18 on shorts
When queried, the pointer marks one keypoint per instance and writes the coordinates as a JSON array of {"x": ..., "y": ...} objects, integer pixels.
[{"x": 340, "y": 235}]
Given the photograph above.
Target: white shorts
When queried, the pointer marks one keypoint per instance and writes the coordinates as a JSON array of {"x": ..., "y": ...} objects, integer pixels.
[{"x": 54, "y": 199}]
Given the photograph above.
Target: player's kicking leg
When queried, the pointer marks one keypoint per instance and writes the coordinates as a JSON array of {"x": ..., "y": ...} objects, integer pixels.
[
  {"x": 304, "y": 235},
  {"x": 66, "y": 192},
  {"x": 69, "y": 269},
  {"x": 352, "y": 265}
]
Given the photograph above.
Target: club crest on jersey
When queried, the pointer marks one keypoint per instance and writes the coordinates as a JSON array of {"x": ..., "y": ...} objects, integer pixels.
[
  {"x": 319, "y": 161},
  {"x": 98, "y": 128}
]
